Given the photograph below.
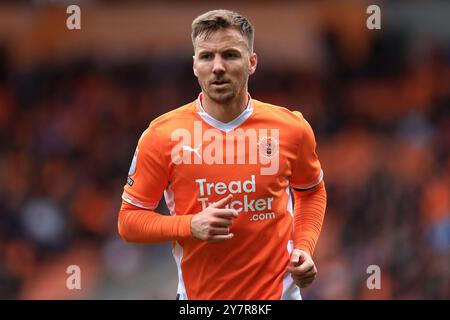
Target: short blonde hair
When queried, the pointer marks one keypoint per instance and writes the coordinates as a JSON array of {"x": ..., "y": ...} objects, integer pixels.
[{"x": 214, "y": 20}]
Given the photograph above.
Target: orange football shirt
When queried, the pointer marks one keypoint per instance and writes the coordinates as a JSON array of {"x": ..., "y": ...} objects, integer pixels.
[{"x": 195, "y": 160}]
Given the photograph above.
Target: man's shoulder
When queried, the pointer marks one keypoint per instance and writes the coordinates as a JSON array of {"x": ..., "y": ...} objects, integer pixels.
[
  {"x": 165, "y": 124},
  {"x": 174, "y": 116},
  {"x": 282, "y": 113}
]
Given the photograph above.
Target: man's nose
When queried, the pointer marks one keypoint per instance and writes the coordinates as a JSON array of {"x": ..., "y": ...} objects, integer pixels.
[{"x": 218, "y": 66}]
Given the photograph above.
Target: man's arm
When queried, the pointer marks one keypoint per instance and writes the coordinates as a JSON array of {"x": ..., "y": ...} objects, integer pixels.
[
  {"x": 146, "y": 226},
  {"x": 309, "y": 211}
]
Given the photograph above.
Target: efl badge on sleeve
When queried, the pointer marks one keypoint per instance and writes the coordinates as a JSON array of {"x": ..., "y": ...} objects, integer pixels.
[{"x": 132, "y": 169}]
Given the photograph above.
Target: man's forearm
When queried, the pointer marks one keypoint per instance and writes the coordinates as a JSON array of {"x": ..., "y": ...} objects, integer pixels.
[
  {"x": 147, "y": 226},
  {"x": 309, "y": 211}
]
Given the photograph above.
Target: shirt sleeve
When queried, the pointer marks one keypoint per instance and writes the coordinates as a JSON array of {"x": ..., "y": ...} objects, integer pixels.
[
  {"x": 148, "y": 174},
  {"x": 306, "y": 171},
  {"x": 309, "y": 212}
]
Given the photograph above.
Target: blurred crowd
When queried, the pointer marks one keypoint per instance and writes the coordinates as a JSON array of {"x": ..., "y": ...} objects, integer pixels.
[{"x": 68, "y": 131}]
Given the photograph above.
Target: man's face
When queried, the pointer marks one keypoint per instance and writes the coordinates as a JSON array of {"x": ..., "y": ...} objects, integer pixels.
[{"x": 222, "y": 64}]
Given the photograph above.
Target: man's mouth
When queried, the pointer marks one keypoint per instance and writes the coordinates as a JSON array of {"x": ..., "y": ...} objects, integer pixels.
[{"x": 219, "y": 82}]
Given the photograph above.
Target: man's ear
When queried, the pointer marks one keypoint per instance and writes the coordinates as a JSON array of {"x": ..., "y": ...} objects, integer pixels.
[
  {"x": 193, "y": 66},
  {"x": 253, "y": 63}
]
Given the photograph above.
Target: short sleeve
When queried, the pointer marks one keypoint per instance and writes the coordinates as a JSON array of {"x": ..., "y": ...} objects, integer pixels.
[
  {"x": 147, "y": 176},
  {"x": 306, "y": 170}
]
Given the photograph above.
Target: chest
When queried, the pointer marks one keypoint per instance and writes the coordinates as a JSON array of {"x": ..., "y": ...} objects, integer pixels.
[{"x": 221, "y": 162}]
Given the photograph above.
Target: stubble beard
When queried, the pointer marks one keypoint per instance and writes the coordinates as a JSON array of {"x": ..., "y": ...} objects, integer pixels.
[{"x": 223, "y": 95}]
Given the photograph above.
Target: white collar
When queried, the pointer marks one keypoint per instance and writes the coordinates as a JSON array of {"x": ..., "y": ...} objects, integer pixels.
[{"x": 229, "y": 126}]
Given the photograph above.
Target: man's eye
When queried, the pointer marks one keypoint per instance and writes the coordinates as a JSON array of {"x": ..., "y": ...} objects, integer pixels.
[
  {"x": 231, "y": 55},
  {"x": 206, "y": 56}
]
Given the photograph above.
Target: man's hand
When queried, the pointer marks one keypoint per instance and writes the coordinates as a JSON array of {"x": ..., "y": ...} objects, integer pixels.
[
  {"x": 302, "y": 268},
  {"x": 213, "y": 223}
]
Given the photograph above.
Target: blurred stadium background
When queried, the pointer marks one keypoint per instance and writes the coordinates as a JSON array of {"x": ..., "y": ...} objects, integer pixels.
[{"x": 73, "y": 104}]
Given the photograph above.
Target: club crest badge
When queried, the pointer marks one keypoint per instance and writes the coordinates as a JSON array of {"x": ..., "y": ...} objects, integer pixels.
[{"x": 268, "y": 147}]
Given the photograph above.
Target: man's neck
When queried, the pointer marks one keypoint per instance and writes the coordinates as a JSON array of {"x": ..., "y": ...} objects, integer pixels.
[{"x": 225, "y": 112}]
